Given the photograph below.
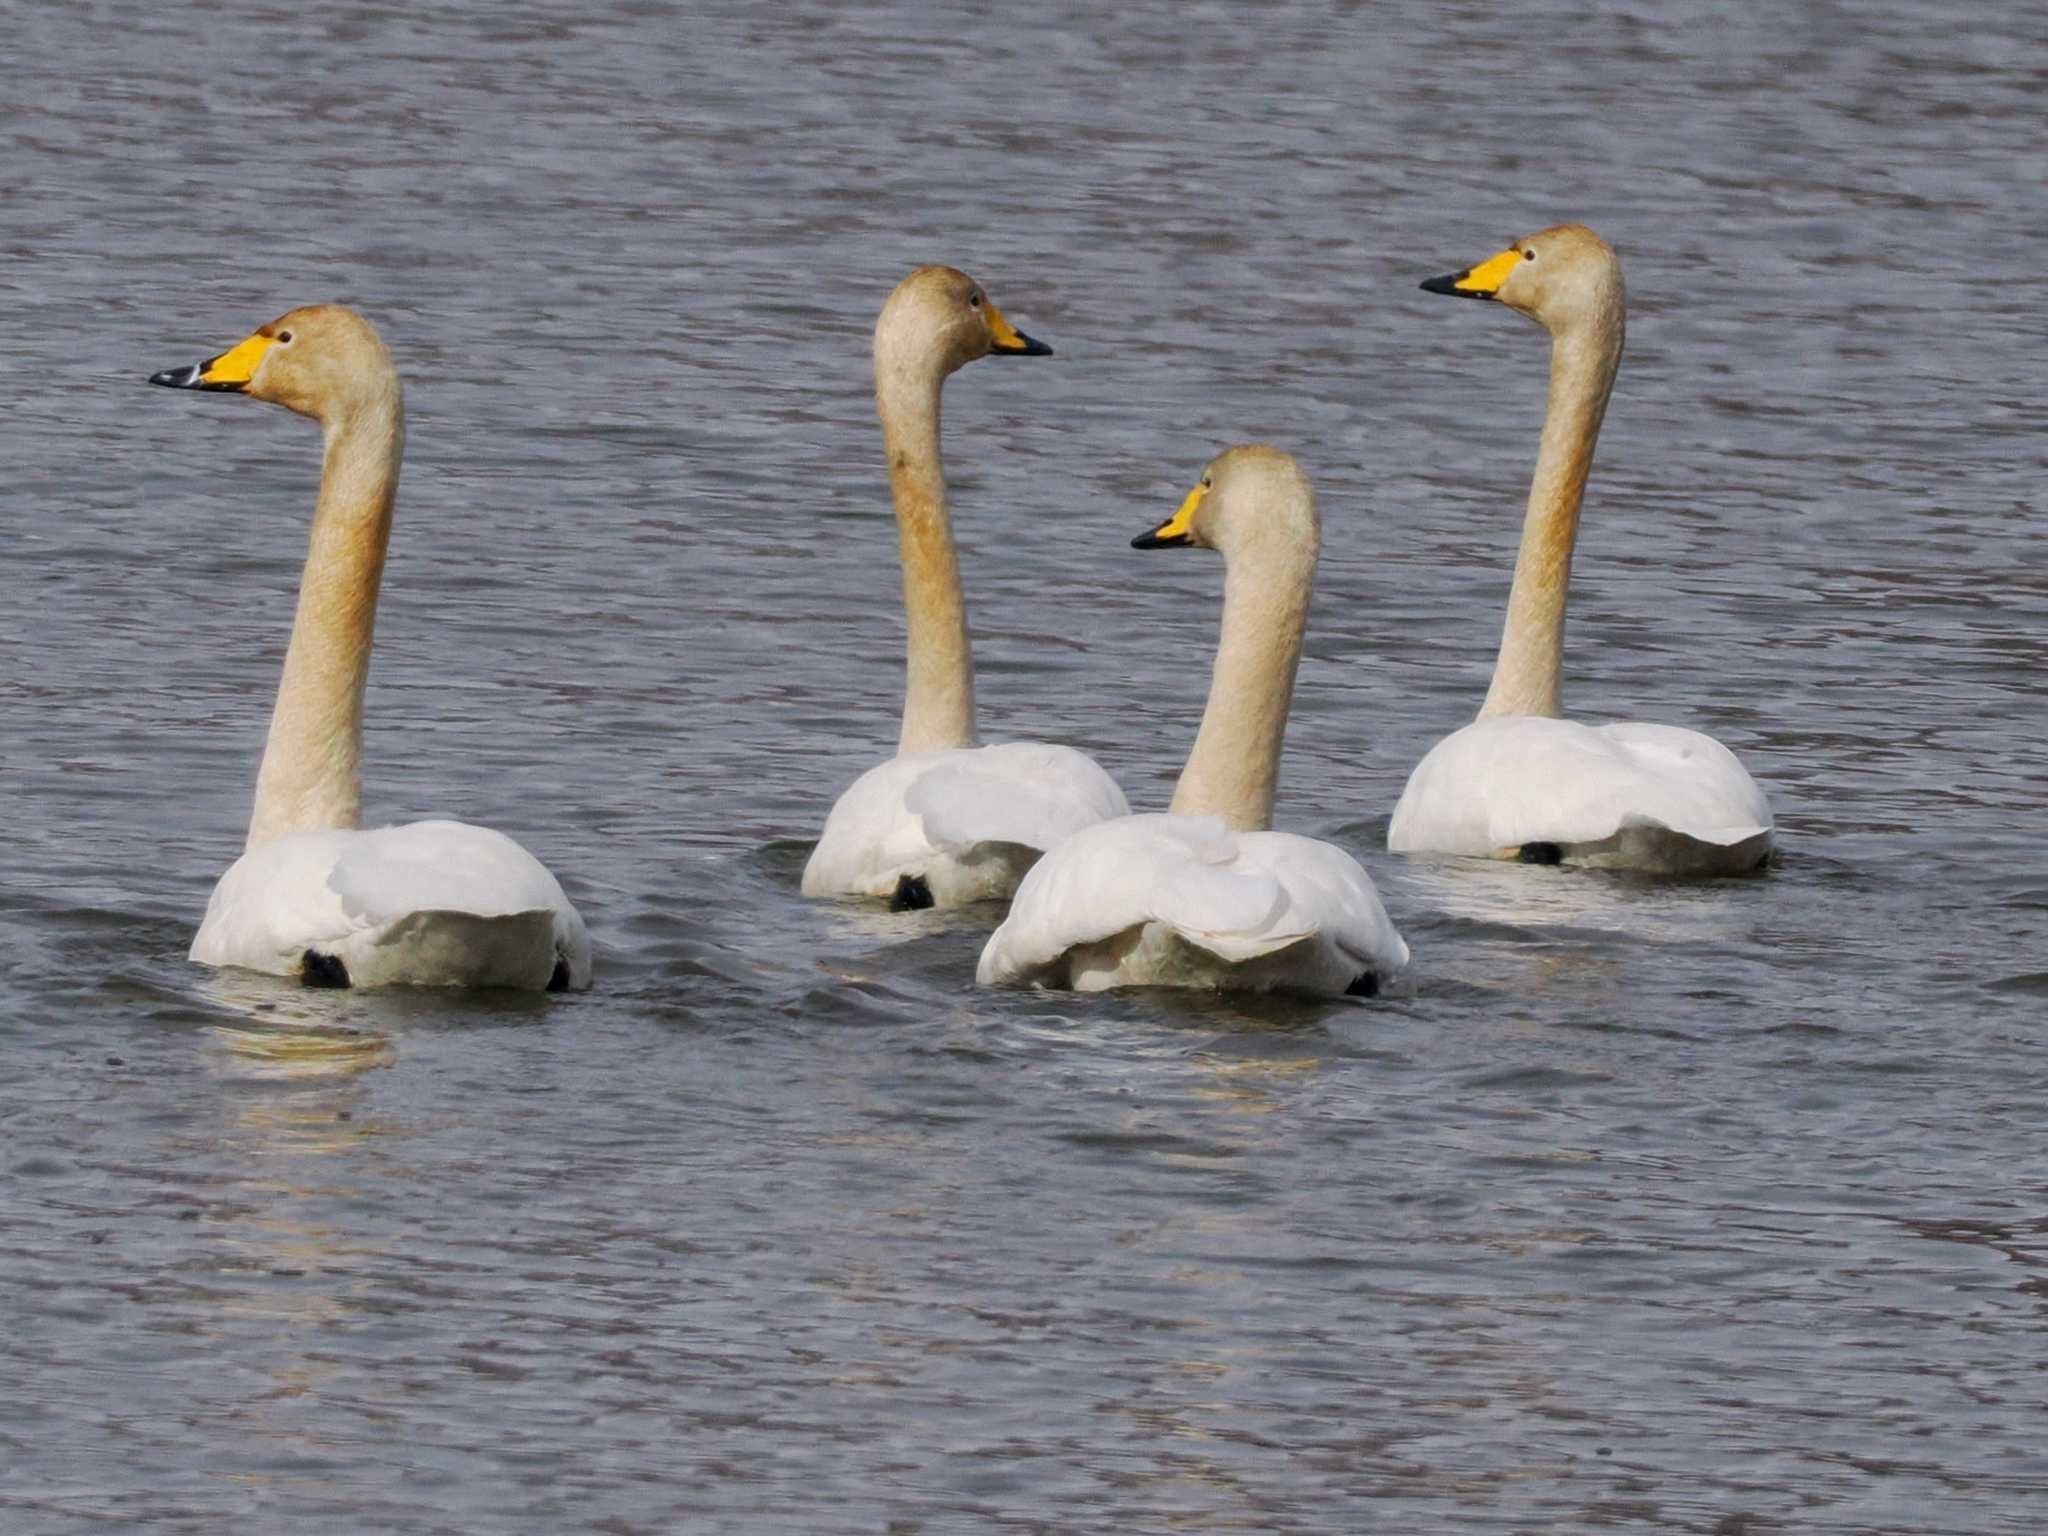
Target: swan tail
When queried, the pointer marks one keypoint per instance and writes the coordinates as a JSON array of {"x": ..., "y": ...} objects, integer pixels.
[
  {"x": 444, "y": 948},
  {"x": 1655, "y": 848}
]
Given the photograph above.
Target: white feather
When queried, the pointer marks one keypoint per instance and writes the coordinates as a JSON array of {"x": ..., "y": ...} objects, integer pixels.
[
  {"x": 1627, "y": 795},
  {"x": 1164, "y": 900},
  {"x": 431, "y": 903},
  {"x": 968, "y": 820}
]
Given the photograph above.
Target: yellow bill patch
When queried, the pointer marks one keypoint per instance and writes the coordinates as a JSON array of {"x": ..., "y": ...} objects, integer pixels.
[
  {"x": 1177, "y": 529},
  {"x": 237, "y": 365},
  {"x": 1007, "y": 337},
  {"x": 1490, "y": 273}
]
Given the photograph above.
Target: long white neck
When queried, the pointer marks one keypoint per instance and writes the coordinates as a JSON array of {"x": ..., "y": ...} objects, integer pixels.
[
  {"x": 1235, "y": 765},
  {"x": 938, "y": 699},
  {"x": 312, "y": 772},
  {"x": 1528, "y": 676}
]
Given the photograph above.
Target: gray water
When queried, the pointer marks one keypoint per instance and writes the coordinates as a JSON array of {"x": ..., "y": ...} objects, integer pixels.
[{"x": 1713, "y": 1207}]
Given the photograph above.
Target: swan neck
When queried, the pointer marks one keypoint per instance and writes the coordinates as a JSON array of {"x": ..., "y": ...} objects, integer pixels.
[
  {"x": 1528, "y": 676},
  {"x": 1234, "y": 768},
  {"x": 311, "y": 778},
  {"x": 938, "y": 699}
]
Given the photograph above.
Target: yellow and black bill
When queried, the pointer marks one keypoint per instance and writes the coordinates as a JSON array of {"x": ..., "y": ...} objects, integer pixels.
[
  {"x": 231, "y": 371},
  {"x": 1178, "y": 529},
  {"x": 1480, "y": 282},
  {"x": 1005, "y": 340}
]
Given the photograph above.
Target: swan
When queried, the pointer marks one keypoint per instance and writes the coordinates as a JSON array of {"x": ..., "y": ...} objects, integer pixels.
[
  {"x": 1205, "y": 896},
  {"x": 945, "y": 821},
  {"x": 432, "y": 903},
  {"x": 1521, "y": 782}
]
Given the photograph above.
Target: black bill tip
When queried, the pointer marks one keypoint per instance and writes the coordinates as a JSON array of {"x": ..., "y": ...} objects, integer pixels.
[
  {"x": 1154, "y": 540},
  {"x": 1032, "y": 347},
  {"x": 1449, "y": 284},
  {"x": 193, "y": 376}
]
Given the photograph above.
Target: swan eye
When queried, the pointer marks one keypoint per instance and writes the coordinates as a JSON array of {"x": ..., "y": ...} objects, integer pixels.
[
  {"x": 1207, "y": 483},
  {"x": 284, "y": 335},
  {"x": 974, "y": 299},
  {"x": 1528, "y": 255}
]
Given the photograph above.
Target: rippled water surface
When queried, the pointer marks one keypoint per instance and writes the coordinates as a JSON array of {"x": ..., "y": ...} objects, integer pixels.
[{"x": 1667, "y": 1207}]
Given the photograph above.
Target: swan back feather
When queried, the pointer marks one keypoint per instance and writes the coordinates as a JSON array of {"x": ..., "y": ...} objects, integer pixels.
[
  {"x": 1163, "y": 899},
  {"x": 429, "y": 903},
  {"x": 967, "y": 821}
]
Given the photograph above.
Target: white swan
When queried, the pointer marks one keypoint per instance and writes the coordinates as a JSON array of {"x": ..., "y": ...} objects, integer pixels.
[
  {"x": 944, "y": 821},
  {"x": 1204, "y": 896},
  {"x": 435, "y": 903},
  {"x": 1519, "y": 782}
]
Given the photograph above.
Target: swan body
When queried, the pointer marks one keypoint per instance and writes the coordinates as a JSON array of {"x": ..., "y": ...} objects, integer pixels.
[
  {"x": 967, "y": 821},
  {"x": 1204, "y": 896},
  {"x": 431, "y": 903},
  {"x": 1656, "y": 798},
  {"x": 1182, "y": 901},
  {"x": 1522, "y": 781},
  {"x": 945, "y": 821}
]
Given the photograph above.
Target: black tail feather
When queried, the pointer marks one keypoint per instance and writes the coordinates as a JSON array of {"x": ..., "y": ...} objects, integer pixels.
[
  {"x": 912, "y": 894},
  {"x": 318, "y": 970}
]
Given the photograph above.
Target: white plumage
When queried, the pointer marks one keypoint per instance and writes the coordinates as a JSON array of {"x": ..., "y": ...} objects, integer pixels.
[
  {"x": 1165, "y": 900},
  {"x": 431, "y": 903},
  {"x": 967, "y": 820},
  {"x": 1657, "y": 798}
]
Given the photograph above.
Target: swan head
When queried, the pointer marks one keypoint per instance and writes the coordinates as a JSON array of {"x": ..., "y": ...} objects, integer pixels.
[
  {"x": 1562, "y": 277},
  {"x": 322, "y": 361},
  {"x": 1251, "y": 498},
  {"x": 942, "y": 319}
]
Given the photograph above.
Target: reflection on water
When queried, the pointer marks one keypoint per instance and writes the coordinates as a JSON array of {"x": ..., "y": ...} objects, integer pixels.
[
  {"x": 1677, "y": 1207},
  {"x": 1488, "y": 891},
  {"x": 291, "y": 1053}
]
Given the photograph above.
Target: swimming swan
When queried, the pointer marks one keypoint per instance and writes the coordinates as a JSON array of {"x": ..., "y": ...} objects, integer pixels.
[
  {"x": 433, "y": 903},
  {"x": 944, "y": 821},
  {"x": 1519, "y": 782},
  {"x": 1204, "y": 896}
]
